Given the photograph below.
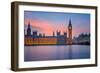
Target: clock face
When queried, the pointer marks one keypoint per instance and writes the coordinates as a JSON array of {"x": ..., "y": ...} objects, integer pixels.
[{"x": 70, "y": 27}]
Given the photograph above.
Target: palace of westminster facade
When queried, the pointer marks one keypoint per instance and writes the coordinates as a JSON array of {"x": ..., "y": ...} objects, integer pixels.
[{"x": 39, "y": 39}]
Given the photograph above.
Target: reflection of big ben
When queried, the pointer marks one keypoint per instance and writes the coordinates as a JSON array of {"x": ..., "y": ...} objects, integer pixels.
[{"x": 70, "y": 33}]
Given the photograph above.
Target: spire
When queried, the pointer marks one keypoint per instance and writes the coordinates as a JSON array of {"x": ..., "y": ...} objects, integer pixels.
[
  {"x": 28, "y": 24},
  {"x": 53, "y": 33},
  {"x": 29, "y": 29},
  {"x": 70, "y": 24}
]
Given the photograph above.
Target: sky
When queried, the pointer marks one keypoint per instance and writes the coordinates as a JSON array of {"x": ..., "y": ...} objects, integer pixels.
[{"x": 49, "y": 22}]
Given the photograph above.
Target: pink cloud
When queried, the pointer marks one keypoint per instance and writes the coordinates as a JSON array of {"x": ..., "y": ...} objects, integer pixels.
[
  {"x": 48, "y": 28},
  {"x": 44, "y": 26}
]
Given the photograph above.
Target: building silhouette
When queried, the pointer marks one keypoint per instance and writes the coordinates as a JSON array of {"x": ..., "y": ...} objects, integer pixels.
[
  {"x": 37, "y": 38},
  {"x": 28, "y": 30},
  {"x": 82, "y": 39}
]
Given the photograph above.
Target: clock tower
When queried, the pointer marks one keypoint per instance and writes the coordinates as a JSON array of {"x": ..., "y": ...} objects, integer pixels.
[{"x": 70, "y": 33}]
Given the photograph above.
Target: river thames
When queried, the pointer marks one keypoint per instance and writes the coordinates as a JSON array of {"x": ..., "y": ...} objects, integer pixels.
[{"x": 56, "y": 52}]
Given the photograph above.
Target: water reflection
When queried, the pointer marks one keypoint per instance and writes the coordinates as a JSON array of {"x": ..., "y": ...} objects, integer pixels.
[
  {"x": 70, "y": 52},
  {"x": 39, "y": 53}
]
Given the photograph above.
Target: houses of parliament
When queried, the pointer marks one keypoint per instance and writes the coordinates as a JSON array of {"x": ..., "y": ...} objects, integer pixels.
[{"x": 39, "y": 39}]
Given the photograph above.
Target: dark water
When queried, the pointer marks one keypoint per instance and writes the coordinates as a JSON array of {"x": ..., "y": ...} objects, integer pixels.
[{"x": 61, "y": 52}]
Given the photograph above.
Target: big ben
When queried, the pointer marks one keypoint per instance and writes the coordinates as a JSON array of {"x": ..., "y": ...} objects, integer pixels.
[{"x": 70, "y": 33}]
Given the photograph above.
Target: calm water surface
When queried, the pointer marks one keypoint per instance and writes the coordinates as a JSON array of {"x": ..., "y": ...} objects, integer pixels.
[{"x": 39, "y": 53}]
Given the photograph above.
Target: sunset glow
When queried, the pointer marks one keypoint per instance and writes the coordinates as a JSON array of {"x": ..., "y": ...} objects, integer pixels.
[{"x": 49, "y": 22}]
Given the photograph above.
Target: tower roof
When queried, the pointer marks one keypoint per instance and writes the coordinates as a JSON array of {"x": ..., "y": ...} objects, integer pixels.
[
  {"x": 70, "y": 24},
  {"x": 28, "y": 24}
]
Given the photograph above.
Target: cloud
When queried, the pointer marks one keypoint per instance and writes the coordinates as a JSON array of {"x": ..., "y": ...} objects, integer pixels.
[{"x": 41, "y": 26}]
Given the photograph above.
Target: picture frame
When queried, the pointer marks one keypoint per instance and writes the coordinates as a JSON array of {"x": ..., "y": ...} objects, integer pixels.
[{"x": 82, "y": 52}]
